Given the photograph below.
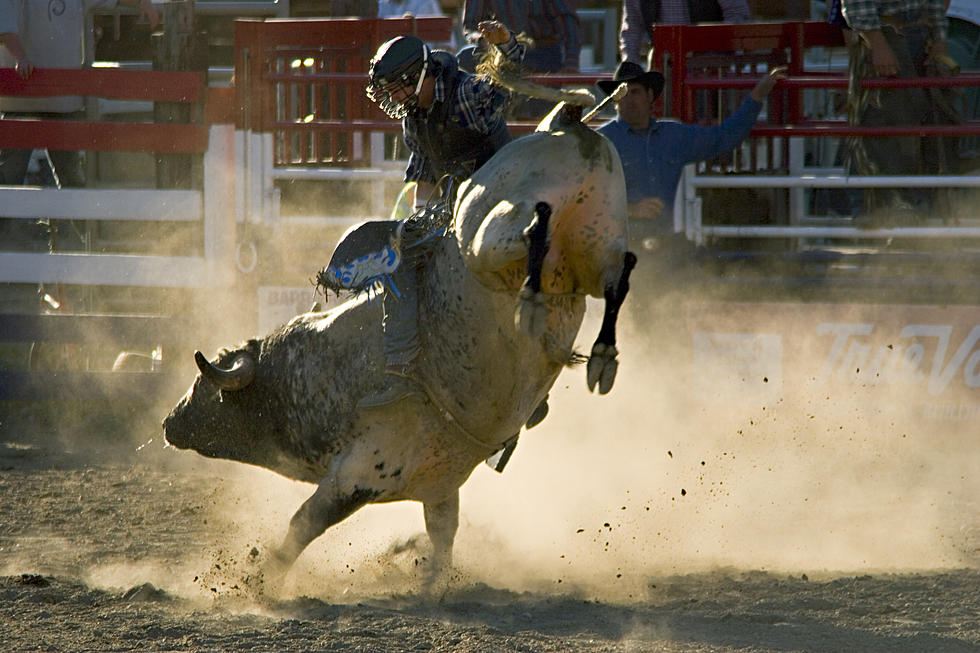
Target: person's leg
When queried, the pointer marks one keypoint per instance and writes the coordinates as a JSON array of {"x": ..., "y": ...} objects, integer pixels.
[
  {"x": 401, "y": 337},
  {"x": 13, "y": 166},
  {"x": 13, "y": 162},
  {"x": 932, "y": 151},
  {"x": 16, "y": 232},
  {"x": 899, "y": 106},
  {"x": 401, "y": 317},
  {"x": 68, "y": 235},
  {"x": 886, "y": 107},
  {"x": 67, "y": 165}
]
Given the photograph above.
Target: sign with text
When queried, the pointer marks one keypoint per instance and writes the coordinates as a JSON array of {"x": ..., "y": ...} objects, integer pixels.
[{"x": 757, "y": 351}]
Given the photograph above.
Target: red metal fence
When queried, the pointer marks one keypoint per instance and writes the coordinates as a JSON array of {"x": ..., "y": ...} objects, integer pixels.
[
  {"x": 156, "y": 86},
  {"x": 719, "y": 59},
  {"x": 303, "y": 81}
]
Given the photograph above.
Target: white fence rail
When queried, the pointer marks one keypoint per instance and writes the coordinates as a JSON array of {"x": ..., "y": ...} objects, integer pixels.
[
  {"x": 689, "y": 218},
  {"x": 214, "y": 205}
]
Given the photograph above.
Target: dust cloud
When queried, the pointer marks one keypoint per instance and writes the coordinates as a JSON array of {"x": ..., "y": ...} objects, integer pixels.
[
  {"x": 645, "y": 482},
  {"x": 609, "y": 493},
  {"x": 655, "y": 479}
]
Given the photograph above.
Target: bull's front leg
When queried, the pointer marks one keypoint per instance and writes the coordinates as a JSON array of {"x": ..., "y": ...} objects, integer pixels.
[
  {"x": 532, "y": 312},
  {"x": 602, "y": 365},
  {"x": 325, "y": 508},
  {"x": 441, "y": 524}
]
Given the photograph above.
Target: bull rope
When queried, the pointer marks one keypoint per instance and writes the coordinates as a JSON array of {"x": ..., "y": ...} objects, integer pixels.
[
  {"x": 450, "y": 419},
  {"x": 508, "y": 74}
]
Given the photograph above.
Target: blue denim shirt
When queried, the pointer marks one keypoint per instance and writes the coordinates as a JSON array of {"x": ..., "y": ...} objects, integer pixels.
[{"x": 654, "y": 159}]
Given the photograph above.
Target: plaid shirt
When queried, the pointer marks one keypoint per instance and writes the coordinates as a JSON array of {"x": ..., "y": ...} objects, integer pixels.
[
  {"x": 553, "y": 21},
  {"x": 864, "y": 15},
  {"x": 478, "y": 103},
  {"x": 633, "y": 32}
]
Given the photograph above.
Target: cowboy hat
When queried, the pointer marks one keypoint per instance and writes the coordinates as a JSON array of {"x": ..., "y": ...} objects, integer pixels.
[{"x": 628, "y": 71}]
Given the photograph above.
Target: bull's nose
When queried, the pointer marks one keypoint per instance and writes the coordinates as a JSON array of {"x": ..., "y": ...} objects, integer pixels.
[{"x": 169, "y": 430}]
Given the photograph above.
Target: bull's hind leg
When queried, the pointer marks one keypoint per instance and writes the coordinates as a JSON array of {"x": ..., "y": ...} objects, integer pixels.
[
  {"x": 318, "y": 513},
  {"x": 532, "y": 312},
  {"x": 602, "y": 365}
]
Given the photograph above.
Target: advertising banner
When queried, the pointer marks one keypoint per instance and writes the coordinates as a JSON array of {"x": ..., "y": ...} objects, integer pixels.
[{"x": 926, "y": 358}]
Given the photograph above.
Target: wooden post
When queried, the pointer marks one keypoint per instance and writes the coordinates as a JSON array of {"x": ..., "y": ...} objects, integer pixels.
[{"x": 178, "y": 46}]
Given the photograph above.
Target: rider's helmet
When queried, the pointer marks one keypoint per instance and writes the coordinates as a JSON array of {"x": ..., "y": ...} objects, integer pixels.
[{"x": 400, "y": 63}]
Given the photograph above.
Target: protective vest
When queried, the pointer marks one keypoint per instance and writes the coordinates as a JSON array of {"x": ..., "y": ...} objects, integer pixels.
[
  {"x": 700, "y": 11},
  {"x": 450, "y": 147}
]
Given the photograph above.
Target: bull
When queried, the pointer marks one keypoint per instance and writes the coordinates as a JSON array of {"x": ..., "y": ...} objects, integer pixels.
[{"x": 540, "y": 226}]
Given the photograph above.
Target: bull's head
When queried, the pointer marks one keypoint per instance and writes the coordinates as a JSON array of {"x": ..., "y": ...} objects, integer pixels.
[{"x": 223, "y": 415}]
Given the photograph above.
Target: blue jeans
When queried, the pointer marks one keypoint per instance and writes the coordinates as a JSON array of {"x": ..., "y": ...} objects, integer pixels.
[
  {"x": 401, "y": 314},
  {"x": 899, "y": 155}
]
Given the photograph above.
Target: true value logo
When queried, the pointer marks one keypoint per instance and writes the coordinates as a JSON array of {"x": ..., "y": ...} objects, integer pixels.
[{"x": 920, "y": 352}]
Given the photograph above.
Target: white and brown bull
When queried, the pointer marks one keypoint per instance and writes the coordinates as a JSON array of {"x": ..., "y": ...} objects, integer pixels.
[{"x": 537, "y": 228}]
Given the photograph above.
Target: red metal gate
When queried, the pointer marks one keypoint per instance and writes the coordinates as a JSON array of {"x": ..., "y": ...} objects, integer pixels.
[{"x": 303, "y": 81}]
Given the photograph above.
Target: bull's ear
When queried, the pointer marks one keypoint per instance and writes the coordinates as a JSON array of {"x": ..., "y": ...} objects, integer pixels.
[{"x": 239, "y": 375}]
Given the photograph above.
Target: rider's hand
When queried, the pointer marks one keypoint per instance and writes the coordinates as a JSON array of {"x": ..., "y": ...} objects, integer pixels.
[{"x": 494, "y": 31}]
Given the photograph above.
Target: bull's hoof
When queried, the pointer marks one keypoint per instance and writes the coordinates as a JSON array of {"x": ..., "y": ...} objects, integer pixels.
[
  {"x": 274, "y": 569},
  {"x": 540, "y": 412},
  {"x": 436, "y": 578},
  {"x": 531, "y": 316},
  {"x": 601, "y": 368}
]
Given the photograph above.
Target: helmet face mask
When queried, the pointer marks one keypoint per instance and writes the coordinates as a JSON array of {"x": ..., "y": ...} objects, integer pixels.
[{"x": 398, "y": 70}]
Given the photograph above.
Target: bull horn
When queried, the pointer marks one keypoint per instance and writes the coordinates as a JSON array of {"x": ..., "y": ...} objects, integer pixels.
[{"x": 239, "y": 375}]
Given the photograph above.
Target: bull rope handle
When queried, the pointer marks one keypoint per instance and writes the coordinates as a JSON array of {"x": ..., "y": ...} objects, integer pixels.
[{"x": 615, "y": 96}]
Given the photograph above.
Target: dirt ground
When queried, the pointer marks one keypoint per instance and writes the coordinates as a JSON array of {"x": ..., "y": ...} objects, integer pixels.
[
  {"x": 146, "y": 548},
  {"x": 622, "y": 523}
]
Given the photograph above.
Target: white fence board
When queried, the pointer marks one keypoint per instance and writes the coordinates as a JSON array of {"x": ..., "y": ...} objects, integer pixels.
[
  {"x": 105, "y": 269},
  {"x": 101, "y": 204}
]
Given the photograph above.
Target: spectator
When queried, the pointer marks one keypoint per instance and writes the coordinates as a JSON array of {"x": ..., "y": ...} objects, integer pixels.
[
  {"x": 401, "y": 8},
  {"x": 640, "y": 17},
  {"x": 333, "y": 8},
  {"x": 552, "y": 25},
  {"x": 654, "y": 152},
  {"x": 414, "y": 9},
  {"x": 892, "y": 39},
  {"x": 39, "y": 33},
  {"x": 453, "y": 122}
]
